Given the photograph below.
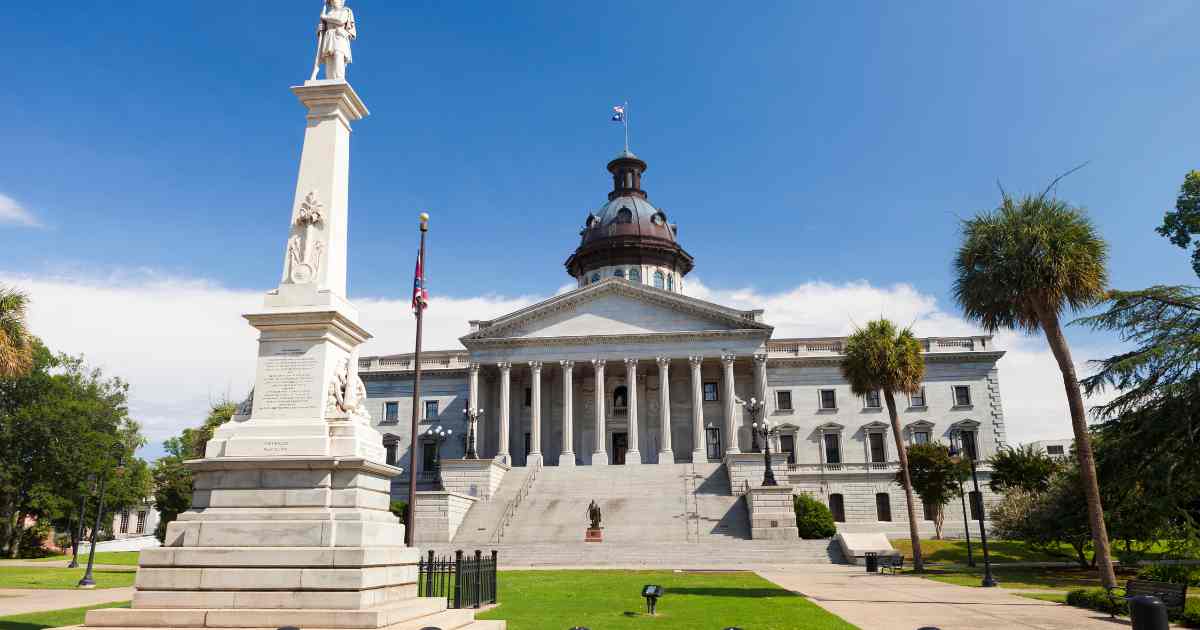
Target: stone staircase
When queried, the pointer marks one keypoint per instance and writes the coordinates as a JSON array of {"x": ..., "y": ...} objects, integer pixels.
[{"x": 479, "y": 526}]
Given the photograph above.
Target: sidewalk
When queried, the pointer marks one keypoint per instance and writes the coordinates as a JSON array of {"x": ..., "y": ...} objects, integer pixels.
[
  {"x": 14, "y": 601},
  {"x": 886, "y": 602}
]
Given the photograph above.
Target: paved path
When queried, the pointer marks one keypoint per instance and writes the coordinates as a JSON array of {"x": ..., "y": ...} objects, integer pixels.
[
  {"x": 62, "y": 564},
  {"x": 887, "y": 602},
  {"x": 14, "y": 601}
]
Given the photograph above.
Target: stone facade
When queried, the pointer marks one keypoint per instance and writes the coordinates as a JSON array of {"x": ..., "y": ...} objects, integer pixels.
[
  {"x": 439, "y": 514},
  {"x": 478, "y": 478},
  {"x": 772, "y": 516}
]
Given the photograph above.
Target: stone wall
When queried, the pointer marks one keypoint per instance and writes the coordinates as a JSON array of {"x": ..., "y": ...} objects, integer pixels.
[
  {"x": 477, "y": 478},
  {"x": 772, "y": 516},
  {"x": 439, "y": 514},
  {"x": 747, "y": 469}
]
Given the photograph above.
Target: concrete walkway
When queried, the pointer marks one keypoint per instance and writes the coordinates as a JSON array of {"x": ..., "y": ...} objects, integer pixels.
[
  {"x": 18, "y": 601},
  {"x": 886, "y": 602}
]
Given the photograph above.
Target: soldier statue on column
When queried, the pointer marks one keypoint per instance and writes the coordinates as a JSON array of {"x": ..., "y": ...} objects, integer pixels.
[{"x": 334, "y": 34}]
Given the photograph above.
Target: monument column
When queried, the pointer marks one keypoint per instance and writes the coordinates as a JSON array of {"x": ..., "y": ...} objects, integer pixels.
[
  {"x": 666, "y": 455},
  {"x": 600, "y": 455},
  {"x": 731, "y": 406},
  {"x": 505, "y": 406},
  {"x": 535, "y": 415},
  {"x": 633, "y": 456},
  {"x": 567, "y": 457},
  {"x": 699, "y": 454}
]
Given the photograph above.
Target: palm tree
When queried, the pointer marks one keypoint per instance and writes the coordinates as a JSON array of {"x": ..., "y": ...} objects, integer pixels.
[
  {"x": 1018, "y": 267},
  {"x": 883, "y": 357},
  {"x": 16, "y": 351}
]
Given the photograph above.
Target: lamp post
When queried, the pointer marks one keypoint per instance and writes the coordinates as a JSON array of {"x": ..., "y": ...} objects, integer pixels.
[
  {"x": 88, "y": 581},
  {"x": 91, "y": 489},
  {"x": 764, "y": 432},
  {"x": 962, "y": 497},
  {"x": 439, "y": 436},
  {"x": 956, "y": 455},
  {"x": 472, "y": 421}
]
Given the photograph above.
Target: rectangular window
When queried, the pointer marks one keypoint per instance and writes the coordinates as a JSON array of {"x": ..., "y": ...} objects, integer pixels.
[
  {"x": 391, "y": 454},
  {"x": 828, "y": 399},
  {"x": 976, "y": 502},
  {"x": 391, "y": 411},
  {"x": 783, "y": 400},
  {"x": 833, "y": 448},
  {"x": 920, "y": 437},
  {"x": 710, "y": 392},
  {"x": 431, "y": 409},
  {"x": 917, "y": 399},
  {"x": 873, "y": 400},
  {"x": 787, "y": 444},
  {"x": 837, "y": 505},
  {"x": 962, "y": 396},
  {"x": 968, "y": 444},
  {"x": 1055, "y": 449},
  {"x": 124, "y": 522},
  {"x": 141, "y": 522},
  {"x": 712, "y": 437},
  {"x": 428, "y": 457},
  {"x": 528, "y": 396},
  {"x": 883, "y": 506},
  {"x": 878, "y": 449}
]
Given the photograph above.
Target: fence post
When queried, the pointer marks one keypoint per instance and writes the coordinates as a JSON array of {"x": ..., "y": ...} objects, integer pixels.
[
  {"x": 429, "y": 571},
  {"x": 495, "y": 570},
  {"x": 458, "y": 556}
]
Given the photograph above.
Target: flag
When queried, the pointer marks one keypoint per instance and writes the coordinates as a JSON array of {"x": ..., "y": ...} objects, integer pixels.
[
  {"x": 618, "y": 113},
  {"x": 420, "y": 299}
]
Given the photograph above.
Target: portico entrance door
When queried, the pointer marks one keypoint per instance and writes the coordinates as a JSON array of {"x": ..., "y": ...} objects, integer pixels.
[
  {"x": 712, "y": 437},
  {"x": 619, "y": 446}
]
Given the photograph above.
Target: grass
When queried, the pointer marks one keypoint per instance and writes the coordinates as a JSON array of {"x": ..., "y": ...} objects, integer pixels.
[
  {"x": 51, "y": 578},
  {"x": 52, "y": 618},
  {"x": 553, "y": 600},
  {"x": 1059, "y": 578},
  {"x": 129, "y": 558},
  {"x": 1002, "y": 551}
]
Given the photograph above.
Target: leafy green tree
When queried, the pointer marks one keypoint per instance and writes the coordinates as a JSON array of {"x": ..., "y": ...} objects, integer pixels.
[
  {"x": 935, "y": 477},
  {"x": 16, "y": 346},
  {"x": 172, "y": 479},
  {"x": 1024, "y": 467},
  {"x": 1046, "y": 519},
  {"x": 1018, "y": 268},
  {"x": 1183, "y": 225},
  {"x": 884, "y": 357},
  {"x": 813, "y": 518}
]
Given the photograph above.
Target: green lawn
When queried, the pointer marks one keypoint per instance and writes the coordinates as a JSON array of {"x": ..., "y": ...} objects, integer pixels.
[
  {"x": 611, "y": 600},
  {"x": 53, "y": 618},
  {"x": 1001, "y": 551},
  {"x": 37, "y": 577},
  {"x": 129, "y": 558},
  {"x": 1060, "y": 578}
]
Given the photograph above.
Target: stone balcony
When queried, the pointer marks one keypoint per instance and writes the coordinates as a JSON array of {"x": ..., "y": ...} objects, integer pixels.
[
  {"x": 430, "y": 362},
  {"x": 835, "y": 346}
]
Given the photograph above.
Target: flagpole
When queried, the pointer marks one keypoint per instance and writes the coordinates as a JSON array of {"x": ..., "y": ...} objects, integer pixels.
[
  {"x": 410, "y": 521},
  {"x": 625, "y": 118}
]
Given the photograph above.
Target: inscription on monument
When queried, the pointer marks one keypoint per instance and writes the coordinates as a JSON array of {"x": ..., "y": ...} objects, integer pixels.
[{"x": 288, "y": 379}]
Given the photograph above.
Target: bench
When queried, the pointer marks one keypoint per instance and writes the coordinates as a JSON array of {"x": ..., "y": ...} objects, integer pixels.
[
  {"x": 1173, "y": 596},
  {"x": 891, "y": 563}
]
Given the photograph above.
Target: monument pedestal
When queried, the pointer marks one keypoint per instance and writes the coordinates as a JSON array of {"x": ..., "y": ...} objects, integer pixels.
[{"x": 594, "y": 534}]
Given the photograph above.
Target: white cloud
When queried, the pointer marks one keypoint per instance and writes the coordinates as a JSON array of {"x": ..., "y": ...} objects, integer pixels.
[
  {"x": 16, "y": 214},
  {"x": 182, "y": 343}
]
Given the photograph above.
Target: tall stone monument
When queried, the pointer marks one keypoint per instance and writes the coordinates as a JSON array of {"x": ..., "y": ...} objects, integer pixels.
[{"x": 289, "y": 524}]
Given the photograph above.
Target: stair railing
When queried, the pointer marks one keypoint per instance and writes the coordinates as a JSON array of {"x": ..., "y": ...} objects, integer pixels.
[{"x": 510, "y": 510}]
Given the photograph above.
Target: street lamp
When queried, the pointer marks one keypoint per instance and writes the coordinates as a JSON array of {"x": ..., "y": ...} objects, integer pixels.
[
  {"x": 438, "y": 435},
  {"x": 956, "y": 455},
  {"x": 473, "y": 416},
  {"x": 119, "y": 457},
  {"x": 91, "y": 489},
  {"x": 763, "y": 431},
  {"x": 962, "y": 498}
]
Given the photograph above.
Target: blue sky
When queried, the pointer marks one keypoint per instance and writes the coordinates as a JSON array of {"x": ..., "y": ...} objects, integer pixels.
[{"x": 792, "y": 142}]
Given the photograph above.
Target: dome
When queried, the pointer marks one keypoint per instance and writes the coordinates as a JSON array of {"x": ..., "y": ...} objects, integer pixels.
[{"x": 627, "y": 215}]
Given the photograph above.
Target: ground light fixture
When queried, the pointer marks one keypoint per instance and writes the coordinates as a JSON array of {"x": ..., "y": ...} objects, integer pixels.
[{"x": 652, "y": 592}]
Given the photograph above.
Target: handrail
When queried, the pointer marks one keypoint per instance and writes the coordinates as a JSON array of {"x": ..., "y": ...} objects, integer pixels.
[{"x": 510, "y": 510}]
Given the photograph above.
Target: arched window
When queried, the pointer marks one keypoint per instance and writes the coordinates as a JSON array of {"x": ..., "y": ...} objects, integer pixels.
[
  {"x": 660, "y": 280},
  {"x": 671, "y": 283},
  {"x": 620, "y": 273},
  {"x": 595, "y": 277},
  {"x": 635, "y": 275},
  {"x": 621, "y": 397},
  {"x": 624, "y": 215}
]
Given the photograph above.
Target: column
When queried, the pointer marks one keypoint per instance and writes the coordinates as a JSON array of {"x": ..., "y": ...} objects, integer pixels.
[
  {"x": 567, "y": 458},
  {"x": 505, "y": 406},
  {"x": 633, "y": 457},
  {"x": 731, "y": 406},
  {"x": 666, "y": 455},
  {"x": 699, "y": 454},
  {"x": 473, "y": 400},
  {"x": 600, "y": 455},
  {"x": 760, "y": 392},
  {"x": 535, "y": 414}
]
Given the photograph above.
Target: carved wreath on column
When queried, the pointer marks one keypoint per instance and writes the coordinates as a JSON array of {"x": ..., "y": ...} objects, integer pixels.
[{"x": 304, "y": 249}]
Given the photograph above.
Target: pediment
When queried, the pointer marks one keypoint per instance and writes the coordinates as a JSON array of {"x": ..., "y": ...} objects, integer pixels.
[{"x": 616, "y": 308}]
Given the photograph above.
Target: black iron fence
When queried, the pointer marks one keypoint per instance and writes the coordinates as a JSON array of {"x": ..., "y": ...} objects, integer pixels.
[{"x": 465, "y": 581}]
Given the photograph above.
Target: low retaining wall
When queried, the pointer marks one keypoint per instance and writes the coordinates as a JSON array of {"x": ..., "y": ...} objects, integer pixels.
[
  {"x": 439, "y": 515},
  {"x": 772, "y": 516},
  {"x": 477, "y": 478}
]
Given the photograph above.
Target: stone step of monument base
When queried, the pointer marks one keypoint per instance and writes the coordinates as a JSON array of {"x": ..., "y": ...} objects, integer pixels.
[
  {"x": 434, "y": 621},
  {"x": 708, "y": 555}
]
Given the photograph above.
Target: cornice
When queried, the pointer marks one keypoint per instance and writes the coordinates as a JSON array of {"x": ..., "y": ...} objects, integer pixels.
[{"x": 521, "y": 342}]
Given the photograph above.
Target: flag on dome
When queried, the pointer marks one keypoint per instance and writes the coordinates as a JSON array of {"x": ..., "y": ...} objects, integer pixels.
[
  {"x": 420, "y": 299},
  {"x": 618, "y": 113}
]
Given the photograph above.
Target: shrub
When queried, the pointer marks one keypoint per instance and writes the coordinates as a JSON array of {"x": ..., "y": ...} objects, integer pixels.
[
  {"x": 1177, "y": 573},
  {"x": 1097, "y": 599},
  {"x": 813, "y": 518},
  {"x": 400, "y": 509}
]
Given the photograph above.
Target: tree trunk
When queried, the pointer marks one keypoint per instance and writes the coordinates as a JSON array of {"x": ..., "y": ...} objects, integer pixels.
[
  {"x": 939, "y": 522},
  {"x": 15, "y": 550},
  {"x": 918, "y": 561},
  {"x": 1083, "y": 445}
]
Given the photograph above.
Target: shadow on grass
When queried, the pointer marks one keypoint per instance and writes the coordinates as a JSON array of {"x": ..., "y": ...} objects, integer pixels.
[{"x": 729, "y": 592}]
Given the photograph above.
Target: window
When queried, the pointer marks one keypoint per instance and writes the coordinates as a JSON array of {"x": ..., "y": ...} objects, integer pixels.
[
  {"x": 883, "y": 506},
  {"x": 872, "y": 400},
  {"x": 391, "y": 411},
  {"x": 878, "y": 448},
  {"x": 620, "y": 397},
  {"x": 620, "y": 273},
  {"x": 710, "y": 392},
  {"x": 141, "y": 522},
  {"x": 787, "y": 444},
  {"x": 624, "y": 215},
  {"x": 837, "y": 505},
  {"x": 975, "y": 499},
  {"x": 660, "y": 281},
  {"x": 595, "y": 277},
  {"x": 124, "y": 522},
  {"x": 528, "y": 396},
  {"x": 1055, "y": 449},
  {"x": 783, "y": 400},
  {"x": 833, "y": 448},
  {"x": 920, "y": 437},
  {"x": 391, "y": 453},
  {"x": 431, "y": 409},
  {"x": 428, "y": 457},
  {"x": 712, "y": 439},
  {"x": 917, "y": 399},
  {"x": 828, "y": 399},
  {"x": 967, "y": 438},
  {"x": 635, "y": 275},
  {"x": 670, "y": 283},
  {"x": 962, "y": 396}
]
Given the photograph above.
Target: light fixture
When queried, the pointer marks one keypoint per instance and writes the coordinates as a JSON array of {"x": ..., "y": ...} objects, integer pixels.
[{"x": 651, "y": 592}]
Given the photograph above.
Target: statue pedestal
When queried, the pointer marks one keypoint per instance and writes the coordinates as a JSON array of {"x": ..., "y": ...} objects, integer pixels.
[{"x": 594, "y": 534}]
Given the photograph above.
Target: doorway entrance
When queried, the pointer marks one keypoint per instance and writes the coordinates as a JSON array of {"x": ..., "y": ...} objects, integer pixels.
[
  {"x": 712, "y": 440},
  {"x": 787, "y": 444},
  {"x": 620, "y": 444}
]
